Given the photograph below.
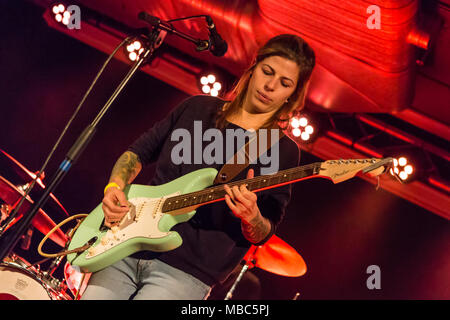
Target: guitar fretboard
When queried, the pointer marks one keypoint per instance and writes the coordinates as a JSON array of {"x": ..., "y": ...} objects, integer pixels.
[{"x": 217, "y": 193}]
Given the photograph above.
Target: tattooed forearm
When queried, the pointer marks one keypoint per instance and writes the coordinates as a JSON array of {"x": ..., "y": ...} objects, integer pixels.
[
  {"x": 256, "y": 230},
  {"x": 126, "y": 169}
]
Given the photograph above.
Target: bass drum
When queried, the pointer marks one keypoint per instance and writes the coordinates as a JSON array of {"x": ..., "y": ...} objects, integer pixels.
[{"x": 20, "y": 281}]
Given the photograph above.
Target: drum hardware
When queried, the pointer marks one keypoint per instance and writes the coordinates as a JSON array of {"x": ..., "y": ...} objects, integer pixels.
[
  {"x": 238, "y": 279},
  {"x": 11, "y": 197},
  {"x": 52, "y": 282},
  {"x": 46, "y": 277},
  {"x": 19, "y": 280},
  {"x": 27, "y": 177},
  {"x": 4, "y": 210},
  {"x": 24, "y": 187},
  {"x": 274, "y": 256},
  {"x": 53, "y": 266},
  {"x": 26, "y": 239}
]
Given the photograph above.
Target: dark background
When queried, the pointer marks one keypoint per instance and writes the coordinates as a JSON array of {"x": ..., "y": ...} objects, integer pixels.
[{"x": 339, "y": 230}]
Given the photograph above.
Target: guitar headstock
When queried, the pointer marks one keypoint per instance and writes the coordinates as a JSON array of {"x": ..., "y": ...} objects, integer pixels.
[{"x": 341, "y": 170}]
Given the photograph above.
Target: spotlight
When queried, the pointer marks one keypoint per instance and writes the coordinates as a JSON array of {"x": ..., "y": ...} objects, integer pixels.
[
  {"x": 402, "y": 168},
  {"x": 300, "y": 127},
  {"x": 61, "y": 14},
  {"x": 410, "y": 163},
  {"x": 134, "y": 49},
  {"x": 210, "y": 84}
]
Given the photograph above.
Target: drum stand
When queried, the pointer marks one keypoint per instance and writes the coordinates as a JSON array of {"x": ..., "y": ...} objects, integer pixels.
[{"x": 250, "y": 263}]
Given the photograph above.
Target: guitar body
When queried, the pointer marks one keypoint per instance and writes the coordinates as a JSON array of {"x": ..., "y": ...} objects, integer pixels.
[{"x": 144, "y": 228}]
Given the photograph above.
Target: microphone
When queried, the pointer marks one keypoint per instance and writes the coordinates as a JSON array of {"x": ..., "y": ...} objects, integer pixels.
[{"x": 218, "y": 46}]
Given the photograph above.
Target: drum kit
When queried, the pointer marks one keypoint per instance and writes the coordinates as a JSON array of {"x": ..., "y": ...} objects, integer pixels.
[{"x": 21, "y": 280}]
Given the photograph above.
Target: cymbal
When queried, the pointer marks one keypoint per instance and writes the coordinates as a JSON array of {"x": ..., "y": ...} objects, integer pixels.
[
  {"x": 11, "y": 195},
  {"x": 8, "y": 161},
  {"x": 278, "y": 257}
]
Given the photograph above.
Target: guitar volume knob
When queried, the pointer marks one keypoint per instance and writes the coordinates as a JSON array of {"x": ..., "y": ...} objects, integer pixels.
[{"x": 104, "y": 241}]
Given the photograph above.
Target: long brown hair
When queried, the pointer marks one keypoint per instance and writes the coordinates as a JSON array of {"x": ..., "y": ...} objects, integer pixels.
[{"x": 287, "y": 46}]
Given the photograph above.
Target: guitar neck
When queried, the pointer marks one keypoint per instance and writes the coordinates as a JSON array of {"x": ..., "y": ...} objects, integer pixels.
[{"x": 217, "y": 193}]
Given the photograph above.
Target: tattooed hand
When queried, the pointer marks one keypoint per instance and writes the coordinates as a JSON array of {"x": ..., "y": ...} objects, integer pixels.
[{"x": 242, "y": 203}]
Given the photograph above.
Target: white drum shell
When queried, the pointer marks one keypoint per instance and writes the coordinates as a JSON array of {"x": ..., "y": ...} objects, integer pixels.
[
  {"x": 21, "y": 284},
  {"x": 22, "y": 281}
]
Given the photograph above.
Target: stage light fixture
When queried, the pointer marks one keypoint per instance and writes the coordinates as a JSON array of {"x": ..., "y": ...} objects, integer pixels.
[
  {"x": 300, "y": 127},
  {"x": 61, "y": 14},
  {"x": 210, "y": 84},
  {"x": 402, "y": 168},
  {"x": 134, "y": 49}
]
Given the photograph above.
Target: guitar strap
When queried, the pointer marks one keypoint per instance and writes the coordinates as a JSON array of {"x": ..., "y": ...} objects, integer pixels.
[{"x": 242, "y": 158}]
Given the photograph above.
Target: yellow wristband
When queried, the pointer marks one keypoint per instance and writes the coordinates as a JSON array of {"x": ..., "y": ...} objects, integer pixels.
[{"x": 109, "y": 185}]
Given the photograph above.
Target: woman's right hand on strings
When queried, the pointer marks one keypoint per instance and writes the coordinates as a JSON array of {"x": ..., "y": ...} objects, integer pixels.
[{"x": 115, "y": 206}]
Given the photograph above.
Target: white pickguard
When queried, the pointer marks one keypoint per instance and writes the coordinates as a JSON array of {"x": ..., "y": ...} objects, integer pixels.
[{"x": 140, "y": 222}]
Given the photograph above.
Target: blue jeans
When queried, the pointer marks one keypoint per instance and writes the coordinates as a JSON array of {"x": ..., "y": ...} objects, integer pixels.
[{"x": 138, "y": 279}]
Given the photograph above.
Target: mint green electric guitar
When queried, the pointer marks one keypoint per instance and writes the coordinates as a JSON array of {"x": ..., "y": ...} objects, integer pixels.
[{"x": 156, "y": 209}]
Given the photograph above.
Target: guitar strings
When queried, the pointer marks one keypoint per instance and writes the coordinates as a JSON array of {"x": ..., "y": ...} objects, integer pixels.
[{"x": 220, "y": 189}]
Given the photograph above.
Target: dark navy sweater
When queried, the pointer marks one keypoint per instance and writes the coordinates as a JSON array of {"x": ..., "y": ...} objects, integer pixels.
[{"x": 213, "y": 244}]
